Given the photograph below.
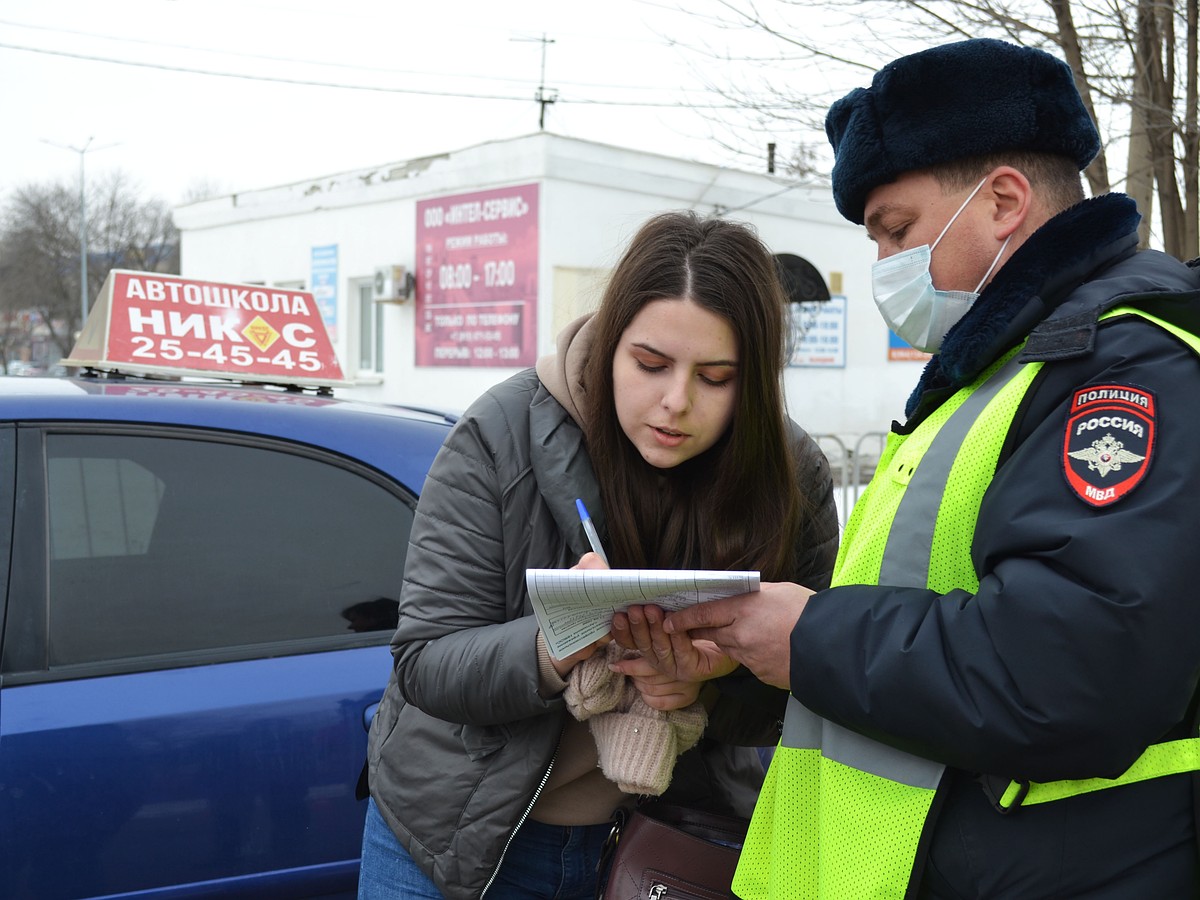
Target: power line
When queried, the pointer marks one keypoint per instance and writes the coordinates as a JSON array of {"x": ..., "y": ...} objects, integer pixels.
[
  {"x": 278, "y": 79},
  {"x": 271, "y": 57},
  {"x": 306, "y": 82},
  {"x": 723, "y": 210}
]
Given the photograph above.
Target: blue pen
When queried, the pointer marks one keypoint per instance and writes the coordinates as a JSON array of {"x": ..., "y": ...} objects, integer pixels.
[{"x": 590, "y": 530}]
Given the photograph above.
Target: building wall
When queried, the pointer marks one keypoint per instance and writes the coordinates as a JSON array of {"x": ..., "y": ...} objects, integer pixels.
[{"x": 592, "y": 199}]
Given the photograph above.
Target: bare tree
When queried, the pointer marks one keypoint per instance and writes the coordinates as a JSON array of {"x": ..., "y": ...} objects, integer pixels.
[
  {"x": 1135, "y": 65},
  {"x": 1164, "y": 113},
  {"x": 203, "y": 188},
  {"x": 40, "y": 247}
]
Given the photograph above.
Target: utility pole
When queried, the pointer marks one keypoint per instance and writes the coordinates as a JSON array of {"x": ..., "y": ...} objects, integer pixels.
[
  {"x": 83, "y": 288},
  {"x": 544, "y": 97}
]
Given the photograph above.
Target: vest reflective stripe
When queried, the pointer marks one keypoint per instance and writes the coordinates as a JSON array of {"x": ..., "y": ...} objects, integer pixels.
[
  {"x": 805, "y": 730},
  {"x": 1167, "y": 758},
  {"x": 909, "y": 548},
  {"x": 840, "y": 816}
]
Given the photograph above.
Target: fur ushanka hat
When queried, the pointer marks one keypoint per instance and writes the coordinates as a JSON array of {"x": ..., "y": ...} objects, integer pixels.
[{"x": 968, "y": 98}]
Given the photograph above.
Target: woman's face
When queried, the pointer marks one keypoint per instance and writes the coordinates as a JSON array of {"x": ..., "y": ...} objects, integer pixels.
[{"x": 675, "y": 380}]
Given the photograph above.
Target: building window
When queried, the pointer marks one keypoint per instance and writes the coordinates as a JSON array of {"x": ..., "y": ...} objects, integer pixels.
[{"x": 370, "y": 329}]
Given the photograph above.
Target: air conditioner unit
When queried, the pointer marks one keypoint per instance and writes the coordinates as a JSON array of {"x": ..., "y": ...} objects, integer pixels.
[{"x": 393, "y": 284}]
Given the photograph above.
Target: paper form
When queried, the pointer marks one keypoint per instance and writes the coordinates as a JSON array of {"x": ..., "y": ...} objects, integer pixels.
[{"x": 575, "y": 606}]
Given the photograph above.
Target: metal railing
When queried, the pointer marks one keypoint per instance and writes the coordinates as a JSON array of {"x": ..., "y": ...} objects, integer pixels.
[{"x": 851, "y": 468}]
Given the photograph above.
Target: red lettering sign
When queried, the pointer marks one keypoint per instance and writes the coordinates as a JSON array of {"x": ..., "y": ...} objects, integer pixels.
[
  {"x": 147, "y": 323},
  {"x": 477, "y": 278}
]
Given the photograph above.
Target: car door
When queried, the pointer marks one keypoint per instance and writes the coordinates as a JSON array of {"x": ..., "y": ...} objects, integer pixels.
[{"x": 195, "y": 631}]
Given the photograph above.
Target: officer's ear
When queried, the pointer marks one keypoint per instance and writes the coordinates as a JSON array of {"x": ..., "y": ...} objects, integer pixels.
[{"x": 1012, "y": 200}]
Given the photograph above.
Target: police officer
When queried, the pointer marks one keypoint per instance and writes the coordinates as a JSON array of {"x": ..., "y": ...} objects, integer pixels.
[{"x": 996, "y": 698}]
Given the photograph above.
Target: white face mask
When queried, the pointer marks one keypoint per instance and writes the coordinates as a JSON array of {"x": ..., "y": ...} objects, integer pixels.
[{"x": 907, "y": 299}]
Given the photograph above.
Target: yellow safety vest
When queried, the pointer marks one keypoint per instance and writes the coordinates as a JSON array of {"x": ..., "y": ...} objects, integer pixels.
[{"x": 840, "y": 816}]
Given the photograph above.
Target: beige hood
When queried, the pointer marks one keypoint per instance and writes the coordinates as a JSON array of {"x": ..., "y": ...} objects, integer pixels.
[{"x": 562, "y": 371}]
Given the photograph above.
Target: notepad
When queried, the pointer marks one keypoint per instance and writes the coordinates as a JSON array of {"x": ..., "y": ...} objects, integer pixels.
[{"x": 575, "y": 606}]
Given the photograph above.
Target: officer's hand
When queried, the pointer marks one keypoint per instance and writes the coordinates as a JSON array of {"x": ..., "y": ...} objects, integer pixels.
[
  {"x": 676, "y": 656},
  {"x": 755, "y": 629}
]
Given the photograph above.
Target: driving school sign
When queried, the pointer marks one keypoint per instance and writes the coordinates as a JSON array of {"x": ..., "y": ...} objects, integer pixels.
[{"x": 147, "y": 323}]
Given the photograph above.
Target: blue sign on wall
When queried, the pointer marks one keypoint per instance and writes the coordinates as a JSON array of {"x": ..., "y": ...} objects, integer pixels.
[
  {"x": 324, "y": 284},
  {"x": 819, "y": 333}
]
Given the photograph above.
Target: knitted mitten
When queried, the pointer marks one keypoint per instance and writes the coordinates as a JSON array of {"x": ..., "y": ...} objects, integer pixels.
[
  {"x": 688, "y": 724},
  {"x": 637, "y": 744},
  {"x": 592, "y": 687}
]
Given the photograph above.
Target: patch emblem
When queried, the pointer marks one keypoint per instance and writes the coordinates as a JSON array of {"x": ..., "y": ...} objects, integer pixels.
[{"x": 1109, "y": 441}]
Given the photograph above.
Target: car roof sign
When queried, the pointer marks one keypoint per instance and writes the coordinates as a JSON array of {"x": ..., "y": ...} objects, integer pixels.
[{"x": 148, "y": 323}]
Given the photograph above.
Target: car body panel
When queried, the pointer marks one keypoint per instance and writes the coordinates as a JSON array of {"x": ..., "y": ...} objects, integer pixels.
[{"x": 220, "y": 766}]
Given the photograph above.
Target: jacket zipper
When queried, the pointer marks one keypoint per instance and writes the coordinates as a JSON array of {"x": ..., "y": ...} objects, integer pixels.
[{"x": 520, "y": 822}]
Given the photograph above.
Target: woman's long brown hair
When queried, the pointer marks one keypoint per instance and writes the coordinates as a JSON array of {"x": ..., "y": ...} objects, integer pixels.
[{"x": 737, "y": 505}]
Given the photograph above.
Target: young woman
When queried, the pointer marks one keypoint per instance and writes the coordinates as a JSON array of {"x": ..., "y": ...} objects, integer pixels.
[{"x": 664, "y": 412}]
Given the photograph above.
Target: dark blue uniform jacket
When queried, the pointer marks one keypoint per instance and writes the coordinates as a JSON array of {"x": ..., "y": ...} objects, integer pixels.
[{"x": 1082, "y": 645}]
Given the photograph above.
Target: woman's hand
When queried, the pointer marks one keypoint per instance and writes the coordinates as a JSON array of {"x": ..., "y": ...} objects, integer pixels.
[
  {"x": 658, "y": 691},
  {"x": 676, "y": 656},
  {"x": 755, "y": 628},
  {"x": 567, "y": 663},
  {"x": 590, "y": 560},
  {"x": 564, "y": 666}
]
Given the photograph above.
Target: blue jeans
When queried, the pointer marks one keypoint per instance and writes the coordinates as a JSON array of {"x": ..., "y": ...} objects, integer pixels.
[{"x": 543, "y": 861}]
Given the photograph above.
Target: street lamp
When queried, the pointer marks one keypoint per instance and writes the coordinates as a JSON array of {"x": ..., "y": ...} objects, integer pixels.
[{"x": 83, "y": 290}]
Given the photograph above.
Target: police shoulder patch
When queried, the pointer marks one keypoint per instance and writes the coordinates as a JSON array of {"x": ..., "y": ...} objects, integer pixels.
[{"x": 1109, "y": 441}]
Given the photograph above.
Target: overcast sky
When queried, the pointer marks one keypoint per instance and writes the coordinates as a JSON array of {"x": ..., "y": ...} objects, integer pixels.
[{"x": 240, "y": 94}]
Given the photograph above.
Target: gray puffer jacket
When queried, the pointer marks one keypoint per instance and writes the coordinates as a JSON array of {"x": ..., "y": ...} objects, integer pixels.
[{"x": 463, "y": 741}]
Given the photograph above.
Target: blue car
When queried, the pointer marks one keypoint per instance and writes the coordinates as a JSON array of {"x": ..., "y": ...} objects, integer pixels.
[{"x": 199, "y": 585}]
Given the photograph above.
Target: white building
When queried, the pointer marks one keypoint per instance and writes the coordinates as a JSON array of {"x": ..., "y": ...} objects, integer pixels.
[{"x": 508, "y": 241}]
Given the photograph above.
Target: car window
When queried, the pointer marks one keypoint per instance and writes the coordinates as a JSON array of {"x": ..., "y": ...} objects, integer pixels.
[
  {"x": 101, "y": 507},
  {"x": 165, "y": 545}
]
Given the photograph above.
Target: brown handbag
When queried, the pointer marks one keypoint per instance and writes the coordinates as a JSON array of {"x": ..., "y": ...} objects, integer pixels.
[{"x": 666, "y": 852}]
